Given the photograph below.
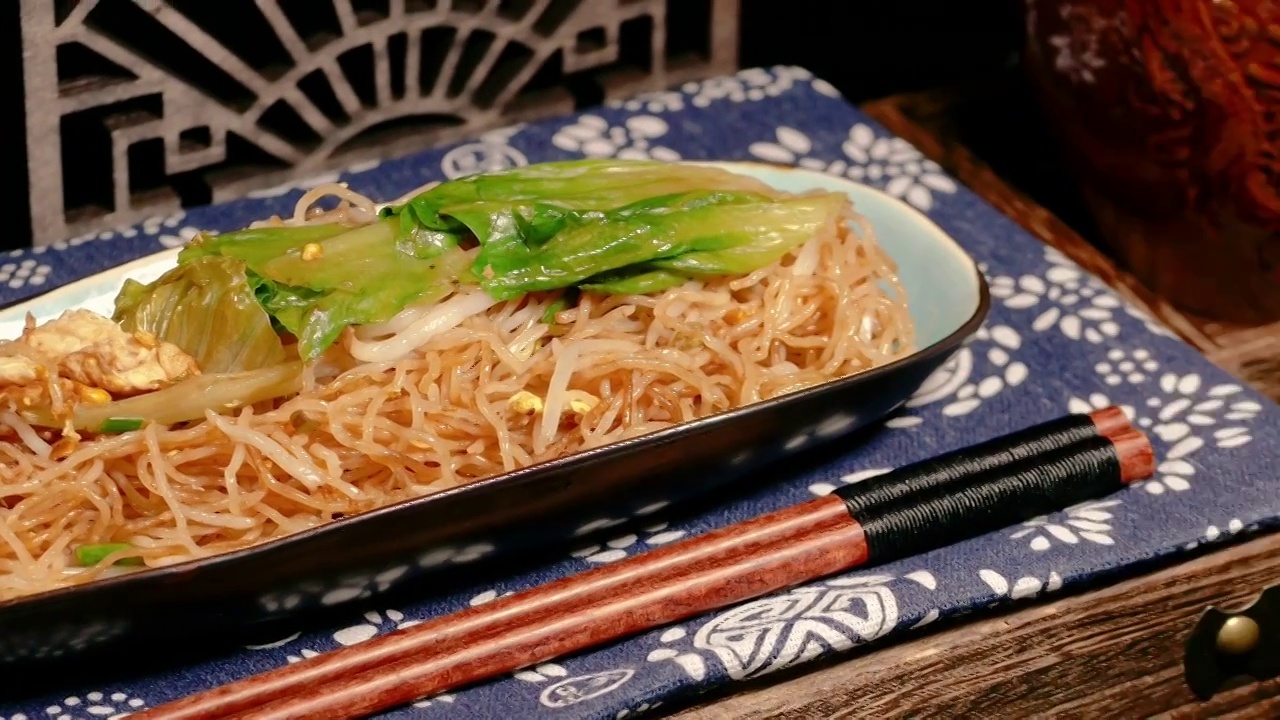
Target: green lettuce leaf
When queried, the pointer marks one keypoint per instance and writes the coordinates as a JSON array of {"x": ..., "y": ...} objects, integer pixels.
[
  {"x": 719, "y": 234},
  {"x": 208, "y": 309},
  {"x": 316, "y": 284}
]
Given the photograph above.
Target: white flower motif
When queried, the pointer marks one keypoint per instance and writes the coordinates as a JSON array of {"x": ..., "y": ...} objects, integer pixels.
[
  {"x": 541, "y": 673},
  {"x": 691, "y": 662},
  {"x": 443, "y": 699},
  {"x": 96, "y": 705},
  {"x": 487, "y": 596},
  {"x": 592, "y": 136},
  {"x": 1123, "y": 366},
  {"x": 1024, "y": 587},
  {"x": 1153, "y": 326},
  {"x": 1213, "y": 533},
  {"x": 152, "y": 225},
  {"x": 1087, "y": 522},
  {"x": 374, "y": 625},
  {"x": 653, "y": 102},
  {"x": 619, "y": 547},
  {"x": 455, "y": 555},
  {"x": 1181, "y": 414},
  {"x": 750, "y": 85},
  {"x": 826, "y": 488},
  {"x": 1076, "y": 303},
  {"x": 491, "y": 153},
  {"x": 180, "y": 238},
  {"x": 17, "y": 275},
  {"x": 303, "y": 654},
  {"x": 887, "y": 162},
  {"x": 979, "y": 371}
]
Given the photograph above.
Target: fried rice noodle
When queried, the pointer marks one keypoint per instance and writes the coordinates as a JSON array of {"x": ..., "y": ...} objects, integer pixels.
[{"x": 442, "y": 395}]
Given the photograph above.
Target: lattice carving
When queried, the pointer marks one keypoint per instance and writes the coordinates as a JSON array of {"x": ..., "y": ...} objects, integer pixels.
[{"x": 138, "y": 107}]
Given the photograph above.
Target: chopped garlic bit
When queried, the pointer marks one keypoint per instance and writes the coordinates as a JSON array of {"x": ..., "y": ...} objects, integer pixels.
[
  {"x": 312, "y": 251},
  {"x": 581, "y": 403},
  {"x": 525, "y": 403},
  {"x": 92, "y": 395}
]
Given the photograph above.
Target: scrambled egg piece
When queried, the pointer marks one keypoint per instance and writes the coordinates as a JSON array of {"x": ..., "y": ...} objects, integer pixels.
[
  {"x": 581, "y": 403},
  {"x": 525, "y": 403},
  {"x": 100, "y": 359},
  {"x": 18, "y": 370}
]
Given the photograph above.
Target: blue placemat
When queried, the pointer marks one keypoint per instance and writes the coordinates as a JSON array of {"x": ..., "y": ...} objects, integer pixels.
[{"x": 1057, "y": 340}]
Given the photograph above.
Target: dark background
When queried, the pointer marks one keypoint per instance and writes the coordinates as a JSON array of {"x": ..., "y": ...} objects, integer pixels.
[{"x": 869, "y": 49}]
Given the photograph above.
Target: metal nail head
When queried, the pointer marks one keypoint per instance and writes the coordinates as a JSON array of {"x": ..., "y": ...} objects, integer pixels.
[{"x": 1238, "y": 635}]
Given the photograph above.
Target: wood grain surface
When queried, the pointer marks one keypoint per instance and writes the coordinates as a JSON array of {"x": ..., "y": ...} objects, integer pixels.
[
  {"x": 925, "y": 120},
  {"x": 1110, "y": 653}
]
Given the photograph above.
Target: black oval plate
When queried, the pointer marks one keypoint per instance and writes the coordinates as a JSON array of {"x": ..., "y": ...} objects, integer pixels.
[{"x": 536, "y": 507}]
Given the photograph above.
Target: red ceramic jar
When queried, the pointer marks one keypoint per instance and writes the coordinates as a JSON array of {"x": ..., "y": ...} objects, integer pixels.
[{"x": 1169, "y": 111}]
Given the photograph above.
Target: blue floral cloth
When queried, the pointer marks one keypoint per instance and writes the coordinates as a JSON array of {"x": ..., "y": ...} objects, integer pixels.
[{"x": 1057, "y": 340}]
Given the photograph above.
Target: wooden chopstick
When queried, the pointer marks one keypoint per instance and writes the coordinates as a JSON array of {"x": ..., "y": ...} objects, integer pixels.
[{"x": 789, "y": 547}]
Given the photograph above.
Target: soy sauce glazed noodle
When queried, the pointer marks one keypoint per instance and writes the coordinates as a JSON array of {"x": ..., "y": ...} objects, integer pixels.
[{"x": 444, "y": 394}]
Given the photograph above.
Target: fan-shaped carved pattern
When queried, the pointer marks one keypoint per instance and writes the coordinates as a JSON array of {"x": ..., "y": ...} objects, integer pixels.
[{"x": 136, "y": 107}]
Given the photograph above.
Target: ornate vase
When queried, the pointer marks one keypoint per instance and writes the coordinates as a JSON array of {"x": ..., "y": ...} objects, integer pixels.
[{"x": 1169, "y": 115}]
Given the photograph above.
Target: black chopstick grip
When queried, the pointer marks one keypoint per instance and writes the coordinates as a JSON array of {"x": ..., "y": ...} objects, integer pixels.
[
  {"x": 924, "y": 476},
  {"x": 991, "y": 500}
]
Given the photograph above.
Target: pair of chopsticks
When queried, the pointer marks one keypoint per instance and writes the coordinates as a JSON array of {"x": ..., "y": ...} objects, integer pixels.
[{"x": 919, "y": 507}]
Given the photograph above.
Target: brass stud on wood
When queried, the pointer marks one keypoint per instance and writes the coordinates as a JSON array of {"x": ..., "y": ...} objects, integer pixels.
[{"x": 1238, "y": 635}]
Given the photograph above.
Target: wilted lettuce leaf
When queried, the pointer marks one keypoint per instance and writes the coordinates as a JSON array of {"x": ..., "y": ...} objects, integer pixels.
[
  {"x": 316, "y": 286},
  {"x": 639, "y": 282},
  {"x": 698, "y": 233},
  {"x": 207, "y": 308},
  {"x": 610, "y": 226}
]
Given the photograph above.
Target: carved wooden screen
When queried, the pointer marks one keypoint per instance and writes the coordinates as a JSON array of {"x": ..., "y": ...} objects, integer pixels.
[{"x": 137, "y": 107}]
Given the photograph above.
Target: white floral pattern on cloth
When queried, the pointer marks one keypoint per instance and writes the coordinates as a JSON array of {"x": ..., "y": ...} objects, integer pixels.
[
  {"x": 491, "y": 153},
  {"x": 983, "y": 368},
  {"x": 1086, "y": 522},
  {"x": 594, "y": 137},
  {"x": 566, "y": 691},
  {"x": 95, "y": 705},
  {"x": 21, "y": 273},
  {"x": 853, "y": 478},
  {"x": 624, "y": 545},
  {"x": 155, "y": 226},
  {"x": 1183, "y": 411},
  {"x": 1026, "y": 586},
  {"x": 1064, "y": 297},
  {"x": 777, "y": 632},
  {"x": 888, "y": 162},
  {"x": 373, "y": 623},
  {"x": 750, "y": 85},
  {"x": 1214, "y": 534}
]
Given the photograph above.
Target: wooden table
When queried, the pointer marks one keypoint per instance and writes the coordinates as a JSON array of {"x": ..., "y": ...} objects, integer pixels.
[{"x": 1111, "y": 652}]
